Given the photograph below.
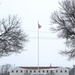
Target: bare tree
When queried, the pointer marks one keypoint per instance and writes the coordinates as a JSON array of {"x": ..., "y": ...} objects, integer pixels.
[
  {"x": 64, "y": 19},
  {"x": 11, "y": 36},
  {"x": 4, "y": 69}
]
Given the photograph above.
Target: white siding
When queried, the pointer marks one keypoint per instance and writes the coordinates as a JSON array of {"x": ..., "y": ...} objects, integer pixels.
[
  {"x": 61, "y": 71},
  {"x": 42, "y": 71},
  {"x": 17, "y": 73}
]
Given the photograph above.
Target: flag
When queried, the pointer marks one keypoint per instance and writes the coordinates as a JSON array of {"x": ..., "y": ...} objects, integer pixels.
[{"x": 39, "y": 26}]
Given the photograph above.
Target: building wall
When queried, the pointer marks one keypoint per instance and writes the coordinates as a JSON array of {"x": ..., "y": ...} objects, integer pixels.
[
  {"x": 61, "y": 71},
  {"x": 55, "y": 71},
  {"x": 17, "y": 71},
  {"x": 41, "y": 71}
]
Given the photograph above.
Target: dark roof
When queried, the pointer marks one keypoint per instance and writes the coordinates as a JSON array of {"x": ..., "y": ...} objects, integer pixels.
[{"x": 51, "y": 67}]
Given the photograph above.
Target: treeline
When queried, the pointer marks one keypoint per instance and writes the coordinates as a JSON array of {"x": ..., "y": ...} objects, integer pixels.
[{"x": 4, "y": 69}]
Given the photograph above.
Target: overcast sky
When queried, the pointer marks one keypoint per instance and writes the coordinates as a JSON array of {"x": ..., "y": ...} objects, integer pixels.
[{"x": 30, "y": 12}]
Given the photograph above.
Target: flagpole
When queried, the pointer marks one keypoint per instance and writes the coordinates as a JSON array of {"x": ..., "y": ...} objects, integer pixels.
[{"x": 38, "y": 48}]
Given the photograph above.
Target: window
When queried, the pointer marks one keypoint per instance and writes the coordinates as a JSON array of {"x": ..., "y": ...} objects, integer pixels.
[
  {"x": 30, "y": 71},
  {"x": 34, "y": 71},
  {"x": 43, "y": 71},
  {"x": 51, "y": 71},
  {"x": 16, "y": 71},
  {"x": 61, "y": 71},
  {"x": 12, "y": 71},
  {"x": 47, "y": 71},
  {"x": 56, "y": 71},
  {"x": 65, "y": 71},
  {"x": 21, "y": 71},
  {"x": 39, "y": 71},
  {"x": 26, "y": 71}
]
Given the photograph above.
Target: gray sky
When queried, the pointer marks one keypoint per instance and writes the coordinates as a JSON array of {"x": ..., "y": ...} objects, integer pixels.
[{"x": 30, "y": 12}]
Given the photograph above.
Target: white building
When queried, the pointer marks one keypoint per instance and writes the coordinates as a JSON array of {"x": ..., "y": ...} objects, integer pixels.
[{"x": 39, "y": 71}]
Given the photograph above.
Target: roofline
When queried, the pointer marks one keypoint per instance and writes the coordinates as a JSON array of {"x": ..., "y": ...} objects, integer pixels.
[{"x": 35, "y": 67}]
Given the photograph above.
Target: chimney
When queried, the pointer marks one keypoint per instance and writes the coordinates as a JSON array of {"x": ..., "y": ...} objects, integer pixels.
[{"x": 50, "y": 65}]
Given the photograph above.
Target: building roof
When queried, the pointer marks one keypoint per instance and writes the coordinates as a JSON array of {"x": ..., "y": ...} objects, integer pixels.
[{"x": 50, "y": 67}]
